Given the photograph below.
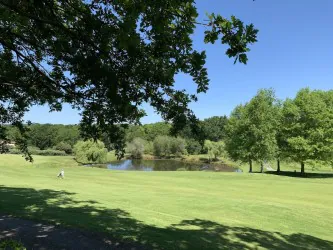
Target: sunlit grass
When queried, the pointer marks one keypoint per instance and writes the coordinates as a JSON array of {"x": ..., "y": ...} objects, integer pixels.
[{"x": 172, "y": 210}]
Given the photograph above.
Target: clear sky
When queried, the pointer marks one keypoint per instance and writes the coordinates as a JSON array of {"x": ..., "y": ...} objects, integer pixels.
[{"x": 294, "y": 51}]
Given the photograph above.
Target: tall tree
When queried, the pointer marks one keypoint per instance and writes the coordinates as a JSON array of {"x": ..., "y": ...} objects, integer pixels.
[
  {"x": 256, "y": 126},
  {"x": 106, "y": 58},
  {"x": 281, "y": 141},
  {"x": 308, "y": 126},
  {"x": 263, "y": 116},
  {"x": 214, "y": 128},
  {"x": 238, "y": 137}
]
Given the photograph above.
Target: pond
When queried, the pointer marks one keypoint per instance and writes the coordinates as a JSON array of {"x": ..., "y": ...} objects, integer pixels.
[{"x": 163, "y": 165}]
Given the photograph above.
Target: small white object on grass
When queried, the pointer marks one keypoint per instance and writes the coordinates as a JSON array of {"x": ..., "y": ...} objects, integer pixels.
[{"x": 61, "y": 174}]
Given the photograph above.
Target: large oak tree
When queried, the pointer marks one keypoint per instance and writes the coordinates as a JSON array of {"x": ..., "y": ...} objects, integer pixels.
[{"x": 106, "y": 58}]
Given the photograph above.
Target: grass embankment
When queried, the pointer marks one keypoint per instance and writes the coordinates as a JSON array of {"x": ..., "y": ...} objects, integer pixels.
[{"x": 173, "y": 210}]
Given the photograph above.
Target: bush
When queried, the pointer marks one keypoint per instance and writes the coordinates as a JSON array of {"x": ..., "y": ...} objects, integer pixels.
[
  {"x": 162, "y": 146},
  {"x": 63, "y": 146},
  {"x": 178, "y": 146},
  {"x": 166, "y": 145},
  {"x": 149, "y": 148},
  {"x": 215, "y": 149},
  {"x": 193, "y": 147},
  {"x": 49, "y": 152},
  {"x": 90, "y": 152},
  {"x": 136, "y": 148}
]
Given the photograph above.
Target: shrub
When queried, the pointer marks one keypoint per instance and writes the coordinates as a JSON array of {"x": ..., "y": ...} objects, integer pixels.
[
  {"x": 136, "y": 148},
  {"x": 215, "y": 149},
  {"x": 166, "y": 145},
  {"x": 90, "y": 152},
  {"x": 63, "y": 146},
  {"x": 50, "y": 152},
  {"x": 162, "y": 146},
  {"x": 149, "y": 147},
  {"x": 34, "y": 151},
  {"x": 193, "y": 147},
  {"x": 178, "y": 146}
]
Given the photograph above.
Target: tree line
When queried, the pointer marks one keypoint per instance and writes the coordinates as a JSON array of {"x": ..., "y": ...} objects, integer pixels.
[
  {"x": 64, "y": 137},
  {"x": 265, "y": 128}
]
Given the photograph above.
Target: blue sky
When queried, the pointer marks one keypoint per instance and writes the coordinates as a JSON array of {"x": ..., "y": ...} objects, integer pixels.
[{"x": 294, "y": 51}]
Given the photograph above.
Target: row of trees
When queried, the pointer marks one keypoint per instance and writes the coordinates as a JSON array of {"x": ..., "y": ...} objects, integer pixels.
[
  {"x": 212, "y": 129},
  {"x": 265, "y": 128},
  {"x": 45, "y": 136},
  {"x": 162, "y": 146},
  {"x": 64, "y": 137},
  {"x": 300, "y": 129}
]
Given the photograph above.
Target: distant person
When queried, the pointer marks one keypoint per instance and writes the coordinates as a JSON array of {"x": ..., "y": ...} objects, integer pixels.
[{"x": 61, "y": 174}]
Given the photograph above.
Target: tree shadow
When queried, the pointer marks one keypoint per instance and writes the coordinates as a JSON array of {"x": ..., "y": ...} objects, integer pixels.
[
  {"x": 299, "y": 175},
  {"x": 61, "y": 207}
]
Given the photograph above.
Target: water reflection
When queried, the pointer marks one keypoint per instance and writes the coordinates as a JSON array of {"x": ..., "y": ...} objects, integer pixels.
[{"x": 164, "y": 165}]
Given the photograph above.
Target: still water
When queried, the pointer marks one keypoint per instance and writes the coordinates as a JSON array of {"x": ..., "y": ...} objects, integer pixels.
[{"x": 164, "y": 165}]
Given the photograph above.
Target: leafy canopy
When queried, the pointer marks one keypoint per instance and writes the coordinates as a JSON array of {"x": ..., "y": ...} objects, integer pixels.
[
  {"x": 107, "y": 58},
  {"x": 90, "y": 152},
  {"x": 215, "y": 149},
  {"x": 252, "y": 128},
  {"x": 136, "y": 148},
  {"x": 308, "y": 126}
]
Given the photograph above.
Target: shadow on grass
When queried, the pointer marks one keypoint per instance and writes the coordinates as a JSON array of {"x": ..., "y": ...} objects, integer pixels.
[
  {"x": 299, "y": 175},
  {"x": 62, "y": 207}
]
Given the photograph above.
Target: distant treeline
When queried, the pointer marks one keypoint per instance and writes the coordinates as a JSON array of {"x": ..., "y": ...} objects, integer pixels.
[
  {"x": 265, "y": 128},
  {"x": 64, "y": 137}
]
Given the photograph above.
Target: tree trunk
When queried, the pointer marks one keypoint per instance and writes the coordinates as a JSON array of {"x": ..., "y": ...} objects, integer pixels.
[
  {"x": 250, "y": 161},
  {"x": 302, "y": 168},
  {"x": 278, "y": 166},
  {"x": 261, "y": 167}
]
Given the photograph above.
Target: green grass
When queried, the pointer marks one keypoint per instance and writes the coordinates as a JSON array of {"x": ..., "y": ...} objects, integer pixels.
[
  {"x": 285, "y": 165},
  {"x": 173, "y": 210}
]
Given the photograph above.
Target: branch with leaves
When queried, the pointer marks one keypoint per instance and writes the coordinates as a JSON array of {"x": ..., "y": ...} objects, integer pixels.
[{"x": 107, "y": 58}]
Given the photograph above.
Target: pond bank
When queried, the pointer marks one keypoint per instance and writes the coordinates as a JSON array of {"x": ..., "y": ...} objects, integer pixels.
[{"x": 163, "y": 165}]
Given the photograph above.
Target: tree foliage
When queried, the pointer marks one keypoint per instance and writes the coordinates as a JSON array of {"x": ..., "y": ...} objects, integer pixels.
[
  {"x": 136, "y": 148},
  {"x": 193, "y": 147},
  {"x": 214, "y": 128},
  {"x": 46, "y": 136},
  {"x": 166, "y": 145},
  {"x": 308, "y": 126},
  {"x": 107, "y": 58},
  {"x": 178, "y": 146},
  {"x": 162, "y": 146},
  {"x": 252, "y": 129},
  {"x": 215, "y": 149},
  {"x": 90, "y": 152},
  {"x": 42, "y": 136},
  {"x": 63, "y": 146}
]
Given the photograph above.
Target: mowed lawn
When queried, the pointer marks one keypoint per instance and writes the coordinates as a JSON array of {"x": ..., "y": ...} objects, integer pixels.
[{"x": 172, "y": 210}]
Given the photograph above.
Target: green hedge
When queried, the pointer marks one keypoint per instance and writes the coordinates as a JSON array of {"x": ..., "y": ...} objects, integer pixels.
[{"x": 47, "y": 152}]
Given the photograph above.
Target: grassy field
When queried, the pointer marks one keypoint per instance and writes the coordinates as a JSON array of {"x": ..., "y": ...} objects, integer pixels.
[{"x": 173, "y": 210}]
